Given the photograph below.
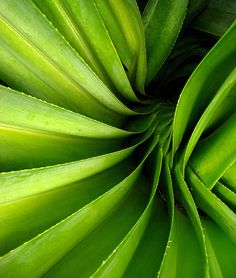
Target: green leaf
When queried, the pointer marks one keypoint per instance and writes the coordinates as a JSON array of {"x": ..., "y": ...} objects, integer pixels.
[
  {"x": 80, "y": 23},
  {"x": 216, "y": 18},
  {"x": 25, "y": 215},
  {"x": 215, "y": 110},
  {"x": 215, "y": 154},
  {"x": 162, "y": 23},
  {"x": 226, "y": 195},
  {"x": 74, "y": 229},
  {"x": 117, "y": 262},
  {"x": 35, "y": 133},
  {"x": 229, "y": 177},
  {"x": 116, "y": 180},
  {"x": 194, "y": 8},
  {"x": 95, "y": 248},
  {"x": 124, "y": 24},
  {"x": 222, "y": 245},
  {"x": 69, "y": 232},
  {"x": 147, "y": 258},
  {"x": 57, "y": 75},
  {"x": 207, "y": 201},
  {"x": 203, "y": 85}
]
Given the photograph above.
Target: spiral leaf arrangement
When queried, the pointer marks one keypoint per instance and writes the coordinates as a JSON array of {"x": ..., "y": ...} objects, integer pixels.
[{"x": 118, "y": 139}]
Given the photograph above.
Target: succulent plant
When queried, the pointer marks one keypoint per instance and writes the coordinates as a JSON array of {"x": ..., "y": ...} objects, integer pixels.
[{"x": 118, "y": 138}]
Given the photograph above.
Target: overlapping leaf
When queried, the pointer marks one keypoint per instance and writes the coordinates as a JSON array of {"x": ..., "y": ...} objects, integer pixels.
[{"x": 99, "y": 177}]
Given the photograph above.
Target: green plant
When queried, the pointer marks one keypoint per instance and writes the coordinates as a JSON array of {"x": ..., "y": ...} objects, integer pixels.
[{"x": 118, "y": 139}]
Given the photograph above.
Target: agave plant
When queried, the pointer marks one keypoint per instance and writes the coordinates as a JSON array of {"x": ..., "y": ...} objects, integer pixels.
[{"x": 118, "y": 138}]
